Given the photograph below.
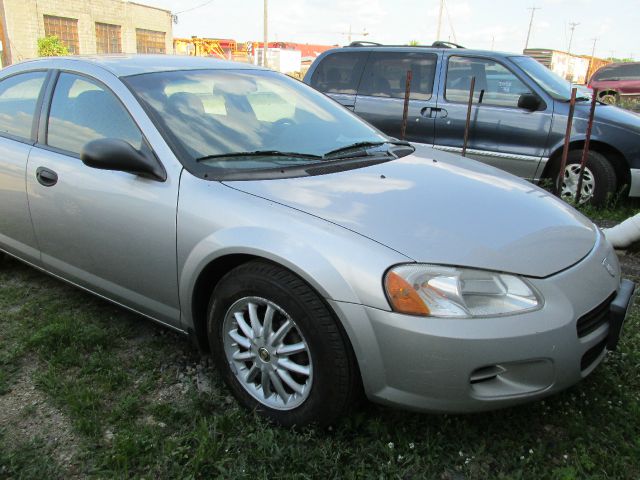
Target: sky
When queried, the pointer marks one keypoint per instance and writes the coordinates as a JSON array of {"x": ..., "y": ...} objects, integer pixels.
[{"x": 482, "y": 24}]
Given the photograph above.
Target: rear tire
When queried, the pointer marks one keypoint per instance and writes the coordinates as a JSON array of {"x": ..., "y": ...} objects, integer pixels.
[
  {"x": 598, "y": 183},
  {"x": 259, "y": 368}
]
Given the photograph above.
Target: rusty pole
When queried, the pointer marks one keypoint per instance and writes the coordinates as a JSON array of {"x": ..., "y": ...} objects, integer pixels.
[
  {"x": 567, "y": 139},
  {"x": 405, "y": 111},
  {"x": 587, "y": 140},
  {"x": 468, "y": 122}
]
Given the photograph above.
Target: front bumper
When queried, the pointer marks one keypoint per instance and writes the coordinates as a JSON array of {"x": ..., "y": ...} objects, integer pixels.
[{"x": 465, "y": 365}]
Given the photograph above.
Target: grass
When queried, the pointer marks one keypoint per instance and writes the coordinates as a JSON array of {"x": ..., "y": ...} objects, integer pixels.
[{"x": 126, "y": 387}]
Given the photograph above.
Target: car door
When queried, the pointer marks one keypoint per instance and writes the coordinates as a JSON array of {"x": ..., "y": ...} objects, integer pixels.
[
  {"x": 380, "y": 98},
  {"x": 109, "y": 231},
  {"x": 19, "y": 98},
  {"x": 338, "y": 75},
  {"x": 500, "y": 134}
]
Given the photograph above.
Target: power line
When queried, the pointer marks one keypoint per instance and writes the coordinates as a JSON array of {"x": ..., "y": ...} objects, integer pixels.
[{"x": 194, "y": 8}]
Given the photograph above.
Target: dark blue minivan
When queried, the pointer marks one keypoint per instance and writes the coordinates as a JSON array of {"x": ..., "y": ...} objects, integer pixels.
[{"x": 519, "y": 115}]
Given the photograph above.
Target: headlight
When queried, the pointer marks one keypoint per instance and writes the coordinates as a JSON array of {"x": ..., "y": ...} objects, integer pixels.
[{"x": 432, "y": 290}]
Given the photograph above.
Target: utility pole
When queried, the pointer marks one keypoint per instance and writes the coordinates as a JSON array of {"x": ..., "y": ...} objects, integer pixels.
[
  {"x": 572, "y": 27},
  {"x": 533, "y": 11},
  {"x": 349, "y": 37},
  {"x": 440, "y": 19},
  {"x": 593, "y": 50},
  {"x": 265, "y": 49}
]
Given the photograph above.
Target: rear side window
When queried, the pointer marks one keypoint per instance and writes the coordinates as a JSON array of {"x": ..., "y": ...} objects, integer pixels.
[
  {"x": 339, "y": 73},
  {"x": 83, "y": 110},
  {"x": 629, "y": 71},
  {"x": 18, "y": 99},
  {"x": 386, "y": 74},
  {"x": 498, "y": 85}
]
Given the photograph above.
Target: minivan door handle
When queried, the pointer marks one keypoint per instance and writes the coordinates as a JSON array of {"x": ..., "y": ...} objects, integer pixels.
[
  {"x": 46, "y": 177},
  {"x": 433, "y": 112}
]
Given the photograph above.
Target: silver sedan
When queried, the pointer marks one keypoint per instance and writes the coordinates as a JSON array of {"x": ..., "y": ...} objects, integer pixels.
[{"x": 312, "y": 255}]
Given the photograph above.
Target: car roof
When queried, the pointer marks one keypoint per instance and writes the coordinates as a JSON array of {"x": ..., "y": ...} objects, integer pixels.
[
  {"x": 418, "y": 48},
  {"x": 125, "y": 65}
]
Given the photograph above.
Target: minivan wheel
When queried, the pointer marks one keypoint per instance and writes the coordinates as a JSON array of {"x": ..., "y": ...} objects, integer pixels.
[
  {"x": 278, "y": 346},
  {"x": 610, "y": 98},
  {"x": 598, "y": 180}
]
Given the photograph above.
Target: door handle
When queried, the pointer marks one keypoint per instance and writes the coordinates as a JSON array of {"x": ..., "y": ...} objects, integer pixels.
[
  {"x": 433, "y": 112},
  {"x": 46, "y": 177}
]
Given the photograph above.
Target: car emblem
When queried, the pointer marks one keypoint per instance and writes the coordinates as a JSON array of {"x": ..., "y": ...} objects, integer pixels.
[{"x": 610, "y": 268}]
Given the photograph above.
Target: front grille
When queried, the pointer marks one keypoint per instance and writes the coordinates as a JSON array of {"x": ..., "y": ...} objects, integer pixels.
[
  {"x": 590, "y": 321},
  {"x": 592, "y": 355}
]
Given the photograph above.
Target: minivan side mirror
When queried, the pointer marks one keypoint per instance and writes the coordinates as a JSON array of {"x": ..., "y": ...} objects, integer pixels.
[
  {"x": 529, "y": 101},
  {"x": 118, "y": 155}
]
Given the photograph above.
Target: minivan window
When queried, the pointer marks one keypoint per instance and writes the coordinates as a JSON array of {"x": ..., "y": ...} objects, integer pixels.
[
  {"x": 497, "y": 84},
  {"x": 386, "y": 72},
  {"x": 83, "y": 110},
  {"x": 339, "y": 73},
  {"x": 553, "y": 84},
  {"x": 18, "y": 100},
  {"x": 629, "y": 71}
]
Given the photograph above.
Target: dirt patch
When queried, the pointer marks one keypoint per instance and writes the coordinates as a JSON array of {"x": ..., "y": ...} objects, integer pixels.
[{"x": 26, "y": 414}]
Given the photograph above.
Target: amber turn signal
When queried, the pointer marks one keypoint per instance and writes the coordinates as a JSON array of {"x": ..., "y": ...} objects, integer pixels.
[{"x": 403, "y": 297}]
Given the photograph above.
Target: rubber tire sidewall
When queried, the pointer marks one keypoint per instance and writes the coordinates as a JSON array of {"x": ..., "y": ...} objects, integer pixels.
[
  {"x": 603, "y": 172},
  {"x": 323, "y": 405}
]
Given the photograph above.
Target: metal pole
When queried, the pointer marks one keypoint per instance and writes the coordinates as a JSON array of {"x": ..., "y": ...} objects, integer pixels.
[
  {"x": 573, "y": 27},
  {"x": 265, "y": 48},
  {"x": 533, "y": 10},
  {"x": 405, "y": 111},
  {"x": 567, "y": 139},
  {"x": 587, "y": 140},
  {"x": 440, "y": 19},
  {"x": 468, "y": 122}
]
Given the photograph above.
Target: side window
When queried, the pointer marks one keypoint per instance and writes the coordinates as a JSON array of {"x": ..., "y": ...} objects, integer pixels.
[
  {"x": 497, "y": 85},
  {"x": 386, "y": 75},
  {"x": 83, "y": 110},
  {"x": 18, "y": 99},
  {"x": 339, "y": 73}
]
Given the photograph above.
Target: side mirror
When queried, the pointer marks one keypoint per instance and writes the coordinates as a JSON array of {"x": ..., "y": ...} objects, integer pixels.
[
  {"x": 118, "y": 155},
  {"x": 529, "y": 101}
]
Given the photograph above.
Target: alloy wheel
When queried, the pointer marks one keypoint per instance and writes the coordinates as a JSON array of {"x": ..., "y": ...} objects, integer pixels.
[{"x": 267, "y": 353}]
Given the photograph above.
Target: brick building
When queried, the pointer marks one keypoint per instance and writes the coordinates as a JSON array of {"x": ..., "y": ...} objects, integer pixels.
[{"x": 85, "y": 27}]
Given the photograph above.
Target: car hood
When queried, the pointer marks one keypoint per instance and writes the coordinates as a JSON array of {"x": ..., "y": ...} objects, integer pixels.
[
  {"x": 435, "y": 207},
  {"x": 610, "y": 115}
]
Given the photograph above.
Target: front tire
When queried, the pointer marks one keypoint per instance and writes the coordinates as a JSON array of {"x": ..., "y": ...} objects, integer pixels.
[
  {"x": 279, "y": 348},
  {"x": 598, "y": 182},
  {"x": 610, "y": 98}
]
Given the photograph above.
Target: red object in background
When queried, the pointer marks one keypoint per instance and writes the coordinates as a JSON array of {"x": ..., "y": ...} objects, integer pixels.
[{"x": 617, "y": 79}]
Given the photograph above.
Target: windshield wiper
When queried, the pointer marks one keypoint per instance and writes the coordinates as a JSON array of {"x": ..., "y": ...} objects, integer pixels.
[
  {"x": 261, "y": 153},
  {"x": 362, "y": 145}
]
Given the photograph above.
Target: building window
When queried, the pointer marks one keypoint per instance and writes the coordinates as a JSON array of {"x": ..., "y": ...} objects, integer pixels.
[
  {"x": 108, "y": 38},
  {"x": 150, "y": 41},
  {"x": 66, "y": 29}
]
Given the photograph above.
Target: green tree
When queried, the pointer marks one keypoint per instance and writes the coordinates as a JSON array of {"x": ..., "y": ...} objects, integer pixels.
[
  {"x": 414, "y": 43},
  {"x": 51, "y": 47}
]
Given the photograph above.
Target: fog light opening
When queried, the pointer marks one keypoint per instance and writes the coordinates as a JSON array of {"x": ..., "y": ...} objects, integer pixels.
[{"x": 486, "y": 374}]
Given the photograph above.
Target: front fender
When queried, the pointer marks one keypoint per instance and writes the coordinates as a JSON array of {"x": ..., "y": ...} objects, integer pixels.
[{"x": 215, "y": 220}]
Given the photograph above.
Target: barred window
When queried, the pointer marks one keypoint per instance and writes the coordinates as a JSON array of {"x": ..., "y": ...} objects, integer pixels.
[
  {"x": 108, "y": 38},
  {"x": 150, "y": 41},
  {"x": 66, "y": 29}
]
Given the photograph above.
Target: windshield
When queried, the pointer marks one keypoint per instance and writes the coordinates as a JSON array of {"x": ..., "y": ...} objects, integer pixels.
[
  {"x": 276, "y": 120},
  {"x": 554, "y": 85}
]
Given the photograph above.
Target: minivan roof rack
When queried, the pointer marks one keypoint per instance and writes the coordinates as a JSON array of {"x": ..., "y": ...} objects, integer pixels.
[
  {"x": 360, "y": 43},
  {"x": 436, "y": 44},
  {"x": 441, "y": 44}
]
